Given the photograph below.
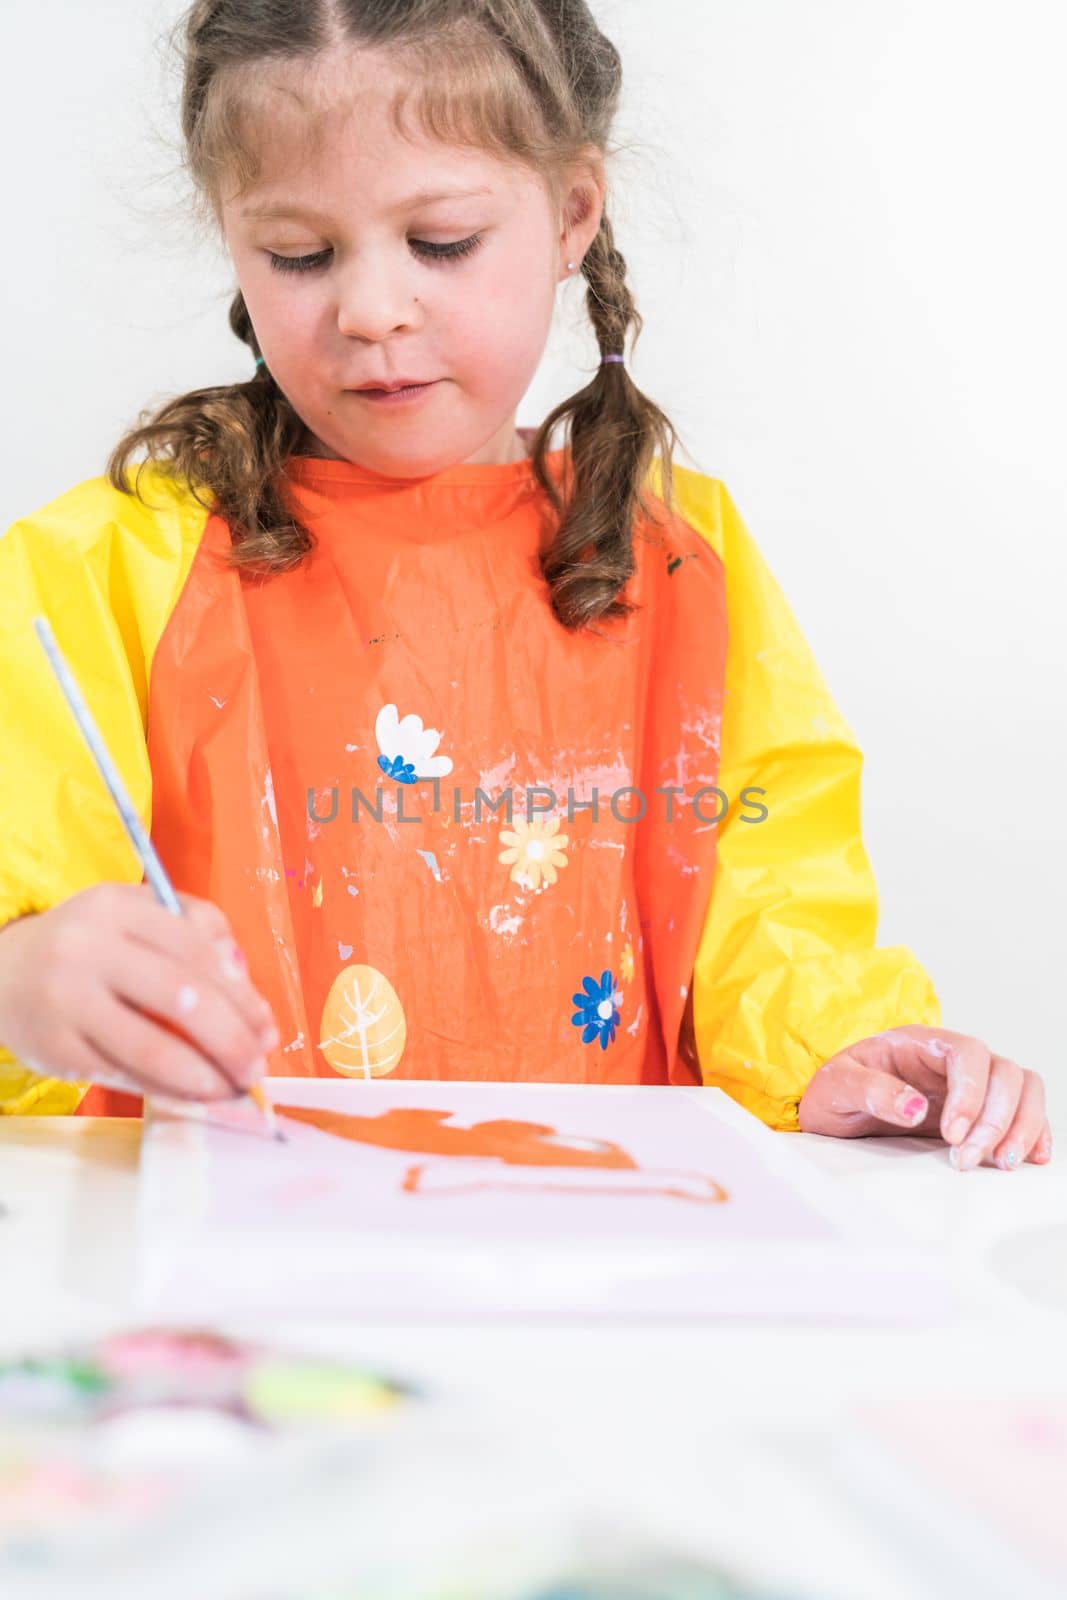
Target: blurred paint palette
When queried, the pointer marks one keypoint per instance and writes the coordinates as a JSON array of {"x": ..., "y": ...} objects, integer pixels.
[
  {"x": 146, "y": 1432},
  {"x": 190, "y": 1368},
  {"x": 178, "y": 1462}
]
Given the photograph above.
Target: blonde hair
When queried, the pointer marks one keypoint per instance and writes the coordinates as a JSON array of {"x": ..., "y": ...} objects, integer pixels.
[{"x": 532, "y": 81}]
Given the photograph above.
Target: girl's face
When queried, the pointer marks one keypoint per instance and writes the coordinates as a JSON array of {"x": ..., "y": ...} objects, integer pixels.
[{"x": 364, "y": 274}]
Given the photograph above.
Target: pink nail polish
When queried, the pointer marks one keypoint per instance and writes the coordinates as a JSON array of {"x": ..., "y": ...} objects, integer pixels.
[{"x": 914, "y": 1107}]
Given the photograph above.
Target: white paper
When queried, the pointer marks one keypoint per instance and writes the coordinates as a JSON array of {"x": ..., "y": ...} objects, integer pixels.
[{"x": 512, "y": 1200}]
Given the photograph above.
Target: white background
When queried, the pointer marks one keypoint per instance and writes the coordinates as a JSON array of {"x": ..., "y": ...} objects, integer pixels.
[{"x": 845, "y": 228}]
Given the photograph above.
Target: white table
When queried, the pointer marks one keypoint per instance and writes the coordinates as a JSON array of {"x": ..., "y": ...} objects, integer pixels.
[{"x": 676, "y": 1423}]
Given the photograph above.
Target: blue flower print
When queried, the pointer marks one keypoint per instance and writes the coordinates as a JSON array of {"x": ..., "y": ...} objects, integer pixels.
[
  {"x": 398, "y": 768},
  {"x": 598, "y": 1011}
]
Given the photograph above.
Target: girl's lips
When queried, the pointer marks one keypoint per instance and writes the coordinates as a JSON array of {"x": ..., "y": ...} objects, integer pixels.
[{"x": 383, "y": 397}]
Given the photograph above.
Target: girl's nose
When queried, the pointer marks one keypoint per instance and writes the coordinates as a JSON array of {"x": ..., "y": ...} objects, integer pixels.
[{"x": 374, "y": 302}]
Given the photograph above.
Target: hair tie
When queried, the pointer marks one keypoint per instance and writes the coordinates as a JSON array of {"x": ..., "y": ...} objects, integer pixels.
[{"x": 260, "y": 361}]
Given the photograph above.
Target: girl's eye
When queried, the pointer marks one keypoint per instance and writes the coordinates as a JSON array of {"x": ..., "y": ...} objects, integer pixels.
[
  {"x": 441, "y": 252},
  {"x": 422, "y": 247},
  {"x": 297, "y": 263}
]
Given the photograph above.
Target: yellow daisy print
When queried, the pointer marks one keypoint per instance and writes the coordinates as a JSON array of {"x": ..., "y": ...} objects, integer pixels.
[
  {"x": 626, "y": 963},
  {"x": 536, "y": 849}
]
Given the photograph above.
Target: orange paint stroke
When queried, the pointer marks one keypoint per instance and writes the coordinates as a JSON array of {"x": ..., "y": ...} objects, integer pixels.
[
  {"x": 514, "y": 1143},
  {"x": 456, "y": 1177}
]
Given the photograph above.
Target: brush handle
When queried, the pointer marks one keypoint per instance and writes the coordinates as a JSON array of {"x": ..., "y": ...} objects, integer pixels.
[
  {"x": 258, "y": 1094},
  {"x": 150, "y": 861}
]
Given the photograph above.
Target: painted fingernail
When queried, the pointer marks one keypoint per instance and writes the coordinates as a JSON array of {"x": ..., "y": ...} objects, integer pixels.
[
  {"x": 967, "y": 1156},
  {"x": 1009, "y": 1159},
  {"x": 912, "y": 1106},
  {"x": 237, "y": 956}
]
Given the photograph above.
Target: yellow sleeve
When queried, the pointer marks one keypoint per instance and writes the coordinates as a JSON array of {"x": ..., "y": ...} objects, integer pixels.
[
  {"x": 787, "y": 971},
  {"x": 106, "y": 570}
]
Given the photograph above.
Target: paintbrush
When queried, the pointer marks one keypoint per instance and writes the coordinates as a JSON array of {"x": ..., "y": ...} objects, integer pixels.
[
  {"x": 259, "y": 1095},
  {"x": 153, "y": 867}
]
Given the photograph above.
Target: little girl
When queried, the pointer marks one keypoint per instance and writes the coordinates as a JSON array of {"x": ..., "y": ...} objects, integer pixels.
[{"x": 491, "y": 759}]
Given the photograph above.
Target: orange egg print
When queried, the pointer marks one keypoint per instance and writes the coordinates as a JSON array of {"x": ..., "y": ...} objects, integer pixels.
[{"x": 363, "y": 1029}]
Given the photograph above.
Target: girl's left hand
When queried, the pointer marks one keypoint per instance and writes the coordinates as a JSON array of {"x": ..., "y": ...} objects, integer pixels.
[{"x": 935, "y": 1082}]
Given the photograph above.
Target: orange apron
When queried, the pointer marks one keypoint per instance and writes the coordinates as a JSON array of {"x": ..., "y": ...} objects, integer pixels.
[{"x": 318, "y": 741}]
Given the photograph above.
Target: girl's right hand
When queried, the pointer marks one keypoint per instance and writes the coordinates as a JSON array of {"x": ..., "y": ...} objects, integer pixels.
[{"x": 81, "y": 983}]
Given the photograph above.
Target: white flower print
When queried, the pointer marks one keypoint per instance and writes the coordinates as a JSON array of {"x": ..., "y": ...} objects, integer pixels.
[{"x": 407, "y": 748}]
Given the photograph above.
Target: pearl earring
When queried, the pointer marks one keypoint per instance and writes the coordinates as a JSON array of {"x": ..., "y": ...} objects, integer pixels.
[{"x": 572, "y": 266}]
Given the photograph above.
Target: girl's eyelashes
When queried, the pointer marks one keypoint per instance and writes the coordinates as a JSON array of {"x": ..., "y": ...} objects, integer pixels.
[
  {"x": 297, "y": 263},
  {"x": 422, "y": 247}
]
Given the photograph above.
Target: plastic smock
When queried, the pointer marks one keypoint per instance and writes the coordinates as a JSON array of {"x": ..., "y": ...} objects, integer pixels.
[{"x": 454, "y": 838}]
